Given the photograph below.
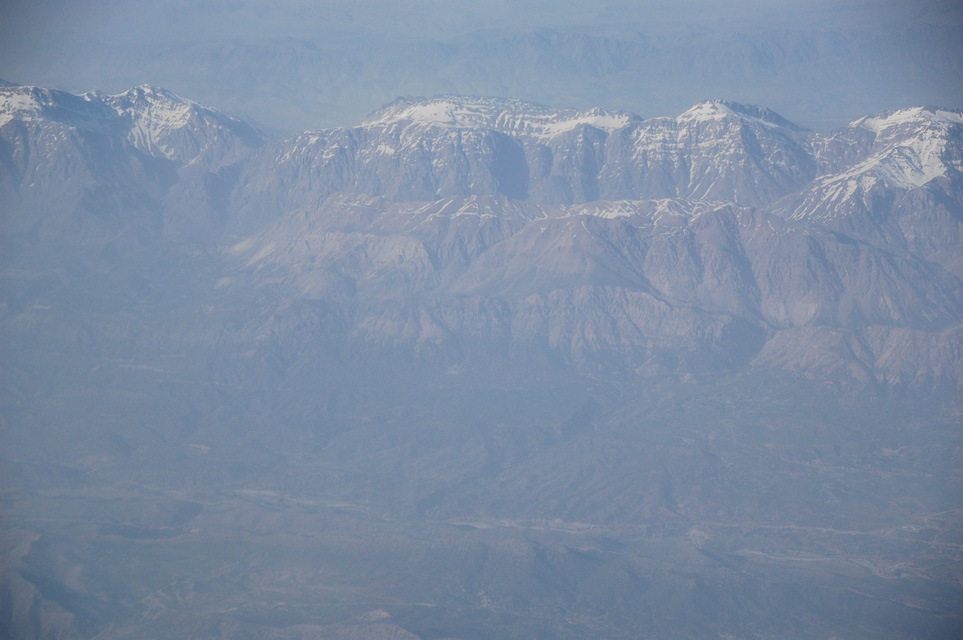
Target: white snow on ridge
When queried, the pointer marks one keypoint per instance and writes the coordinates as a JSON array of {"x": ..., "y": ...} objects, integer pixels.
[
  {"x": 150, "y": 113},
  {"x": 29, "y": 104},
  {"x": 153, "y": 113},
  {"x": 516, "y": 117},
  {"x": 507, "y": 116},
  {"x": 910, "y": 152},
  {"x": 919, "y": 116},
  {"x": 914, "y": 165},
  {"x": 605, "y": 121},
  {"x": 714, "y": 110},
  {"x": 913, "y": 143},
  {"x": 18, "y": 103},
  {"x": 610, "y": 209},
  {"x": 706, "y": 111},
  {"x": 437, "y": 113}
]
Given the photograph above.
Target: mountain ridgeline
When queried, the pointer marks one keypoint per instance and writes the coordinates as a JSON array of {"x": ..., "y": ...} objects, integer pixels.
[
  {"x": 724, "y": 239},
  {"x": 542, "y": 346}
]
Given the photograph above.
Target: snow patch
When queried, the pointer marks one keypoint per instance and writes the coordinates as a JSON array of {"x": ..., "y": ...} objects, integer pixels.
[{"x": 18, "y": 103}]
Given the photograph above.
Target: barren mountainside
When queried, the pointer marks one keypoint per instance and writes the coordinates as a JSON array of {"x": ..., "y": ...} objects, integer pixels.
[
  {"x": 539, "y": 372},
  {"x": 712, "y": 233}
]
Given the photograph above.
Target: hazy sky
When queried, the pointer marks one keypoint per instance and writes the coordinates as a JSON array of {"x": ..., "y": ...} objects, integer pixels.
[{"x": 299, "y": 64}]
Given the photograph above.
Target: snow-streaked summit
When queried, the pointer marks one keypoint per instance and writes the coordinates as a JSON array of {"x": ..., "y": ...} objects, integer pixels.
[
  {"x": 912, "y": 117},
  {"x": 153, "y": 120},
  {"x": 148, "y": 100},
  {"x": 31, "y": 104},
  {"x": 911, "y": 148},
  {"x": 28, "y": 103},
  {"x": 510, "y": 116},
  {"x": 713, "y": 110},
  {"x": 910, "y": 145},
  {"x": 153, "y": 115}
]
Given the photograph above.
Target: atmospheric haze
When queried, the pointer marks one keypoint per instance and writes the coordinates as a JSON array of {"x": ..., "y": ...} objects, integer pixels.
[
  {"x": 293, "y": 66},
  {"x": 459, "y": 320}
]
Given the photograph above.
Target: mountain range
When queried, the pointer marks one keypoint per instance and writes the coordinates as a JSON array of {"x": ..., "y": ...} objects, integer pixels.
[{"x": 541, "y": 354}]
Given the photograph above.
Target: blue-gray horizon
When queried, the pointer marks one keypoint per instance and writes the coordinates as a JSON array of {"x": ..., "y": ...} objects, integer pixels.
[{"x": 293, "y": 66}]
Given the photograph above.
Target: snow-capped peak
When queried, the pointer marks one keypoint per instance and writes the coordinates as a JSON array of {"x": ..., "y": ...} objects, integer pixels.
[
  {"x": 910, "y": 150},
  {"x": 31, "y": 103},
  {"x": 912, "y": 117},
  {"x": 910, "y": 145},
  {"x": 452, "y": 111},
  {"x": 505, "y": 115},
  {"x": 713, "y": 110},
  {"x": 148, "y": 102},
  {"x": 153, "y": 113},
  {"x": 25, "y": 103},
  {"x": 154, "y": 120}
]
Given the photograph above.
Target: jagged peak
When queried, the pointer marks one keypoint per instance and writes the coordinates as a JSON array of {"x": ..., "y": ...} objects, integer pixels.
[
  {"x": 501, "y": 114},
  {"x": 708, "y": 110}
]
